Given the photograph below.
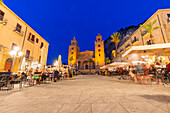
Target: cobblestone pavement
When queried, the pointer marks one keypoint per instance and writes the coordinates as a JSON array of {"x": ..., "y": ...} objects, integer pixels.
[{"x": 87, "y": 94}]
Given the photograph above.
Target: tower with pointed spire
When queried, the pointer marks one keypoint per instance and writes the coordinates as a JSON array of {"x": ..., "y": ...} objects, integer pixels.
[{"x": 73, "y": 52}]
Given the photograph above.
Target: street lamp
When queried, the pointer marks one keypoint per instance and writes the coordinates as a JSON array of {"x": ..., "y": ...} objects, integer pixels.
[{"x": 15, "y": 53}]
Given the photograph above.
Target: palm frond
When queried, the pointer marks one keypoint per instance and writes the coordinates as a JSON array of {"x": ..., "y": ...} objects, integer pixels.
[
  {"x": 154, "y": 22},
  {"x": 158, "y": 27}
]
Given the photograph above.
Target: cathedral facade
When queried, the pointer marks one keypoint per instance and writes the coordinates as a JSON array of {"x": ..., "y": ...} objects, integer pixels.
[{"x": 87, "y": 59}]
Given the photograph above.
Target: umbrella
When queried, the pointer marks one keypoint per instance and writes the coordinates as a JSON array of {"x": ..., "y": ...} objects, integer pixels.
[{"x": 59, "y": 62}]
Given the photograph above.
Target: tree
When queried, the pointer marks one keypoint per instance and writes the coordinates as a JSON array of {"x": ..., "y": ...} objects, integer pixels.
[
  {"x": 90, "y": 62},
  {"x": 55, "y": 59},
  {"x": 115, "y": 39},
  {"x": 149, "y": 29},
  {"x": 71, "y": 59},
  {"x": 1, "y": 2},
  {"x": 107, "y": 60}
]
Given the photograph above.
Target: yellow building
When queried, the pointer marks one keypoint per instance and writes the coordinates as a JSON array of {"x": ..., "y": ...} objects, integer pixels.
[
  {"x": 15, "y": 32},
  {"x": 138, "y": 48},
  {"x": 80, "y": 59}
]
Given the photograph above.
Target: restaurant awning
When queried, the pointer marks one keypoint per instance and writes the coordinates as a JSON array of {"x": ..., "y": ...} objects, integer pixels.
[
  {"x": 152, "y": 49},
  {"x": 115, "y": 64}
]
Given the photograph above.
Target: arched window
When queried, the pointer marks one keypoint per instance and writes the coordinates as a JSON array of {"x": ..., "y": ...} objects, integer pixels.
[
  {"x": 99, "y": 54},
  {"x": 98, "y": 50},
  {"x": 98, "y": 45}
]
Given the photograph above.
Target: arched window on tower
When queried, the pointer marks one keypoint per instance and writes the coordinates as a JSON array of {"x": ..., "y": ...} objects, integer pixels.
[{"x": 98, "y": 39}]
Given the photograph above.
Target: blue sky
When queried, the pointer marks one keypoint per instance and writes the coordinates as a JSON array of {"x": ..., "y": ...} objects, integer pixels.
[{"x": 58, "y": 21}]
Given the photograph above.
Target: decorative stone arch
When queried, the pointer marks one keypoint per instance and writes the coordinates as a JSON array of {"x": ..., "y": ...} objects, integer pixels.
[
  {"x": 86, "y": 64},
  {"x": 8, "y": 64}
]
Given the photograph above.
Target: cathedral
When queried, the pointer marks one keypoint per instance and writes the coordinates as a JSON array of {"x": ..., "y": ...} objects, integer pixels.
[{"x": 87, "y": 59}]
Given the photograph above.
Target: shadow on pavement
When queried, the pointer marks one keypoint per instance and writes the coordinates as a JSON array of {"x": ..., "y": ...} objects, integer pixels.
[{"x": 159, "y": 98}]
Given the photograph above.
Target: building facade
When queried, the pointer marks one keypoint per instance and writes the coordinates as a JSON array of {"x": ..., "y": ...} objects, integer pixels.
[
  {"x": 138, "y": 46},
  {"x": 15, "y": 32},
  {"x": 81, "y": 59}
]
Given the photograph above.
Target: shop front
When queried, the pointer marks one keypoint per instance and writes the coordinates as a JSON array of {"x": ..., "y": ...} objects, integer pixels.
[{"x": 151, "y": 54}]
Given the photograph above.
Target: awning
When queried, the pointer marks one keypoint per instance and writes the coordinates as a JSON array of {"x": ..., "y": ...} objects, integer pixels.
[
  {"x": 115, "y": 64},
  {"x": 150, "y": 48}
]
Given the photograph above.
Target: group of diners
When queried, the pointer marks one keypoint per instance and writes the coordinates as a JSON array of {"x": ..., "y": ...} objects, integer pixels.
[
  {"x": 30, "y": 77},
  {"x": 140, "y": 73}
]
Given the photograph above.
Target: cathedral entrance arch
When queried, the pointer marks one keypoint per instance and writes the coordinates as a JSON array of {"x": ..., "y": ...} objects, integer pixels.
[
  {"x": 86, "y": 66},
  {"x": 8, "y": 64}
]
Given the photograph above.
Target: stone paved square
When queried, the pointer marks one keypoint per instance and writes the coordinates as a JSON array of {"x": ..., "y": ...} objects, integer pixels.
[{"x": 87, "y": 94}]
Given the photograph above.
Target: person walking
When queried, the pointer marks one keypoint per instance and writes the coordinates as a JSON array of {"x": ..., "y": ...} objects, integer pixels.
[{"x": 56, "y": 74}]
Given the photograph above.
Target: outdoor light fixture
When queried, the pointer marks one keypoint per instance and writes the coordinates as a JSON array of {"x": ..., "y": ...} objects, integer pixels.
[{"x": 15, "y": 53}]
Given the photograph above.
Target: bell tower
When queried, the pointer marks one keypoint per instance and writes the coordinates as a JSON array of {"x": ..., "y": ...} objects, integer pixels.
[
  {"x": 99, "y": 51},
  {"x": 73, "y": 52}
]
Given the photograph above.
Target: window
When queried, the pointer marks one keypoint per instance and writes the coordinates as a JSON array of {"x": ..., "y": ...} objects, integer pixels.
[
  {"x": 73, "y": 43},
  {"x": 42, "y": 44},
  {"x": 27, "y": 53},
  {"x": 168, "y": 17},
  {"x": 71, "y": 52},
  {"x": 99, "y": 54},
  {"x": 98, "y": 50},
  {"x": 31, "y": 37},
  {"x": 1, "y": 15},
  {"x": 72, "y": 48},
  {"x": 98, "y": 45},
  {"x": 37, "y": 40},
  {"x": 98, "y": 39},
  {"x": 18, "y": 28},
  {"x": 13, "y": 45}
]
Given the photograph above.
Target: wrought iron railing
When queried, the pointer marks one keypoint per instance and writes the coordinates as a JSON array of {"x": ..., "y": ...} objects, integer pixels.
[{"x": 28, "y": 57}]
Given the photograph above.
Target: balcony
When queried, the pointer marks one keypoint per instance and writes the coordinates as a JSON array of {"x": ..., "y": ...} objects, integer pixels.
[
  {"x": 122, "y": 51},
  {"x": 128, "y": 47},
  {"x": 29, "y": 58},
  {"x": 18, "y": 31},
  {"x": 143, "y": 33},
  {"x": 135, "y": 41},
  {"x": 30, "y": 40}
]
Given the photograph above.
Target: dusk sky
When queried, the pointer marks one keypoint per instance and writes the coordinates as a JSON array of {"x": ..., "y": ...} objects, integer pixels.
[{"x": 58, "y": 21}]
